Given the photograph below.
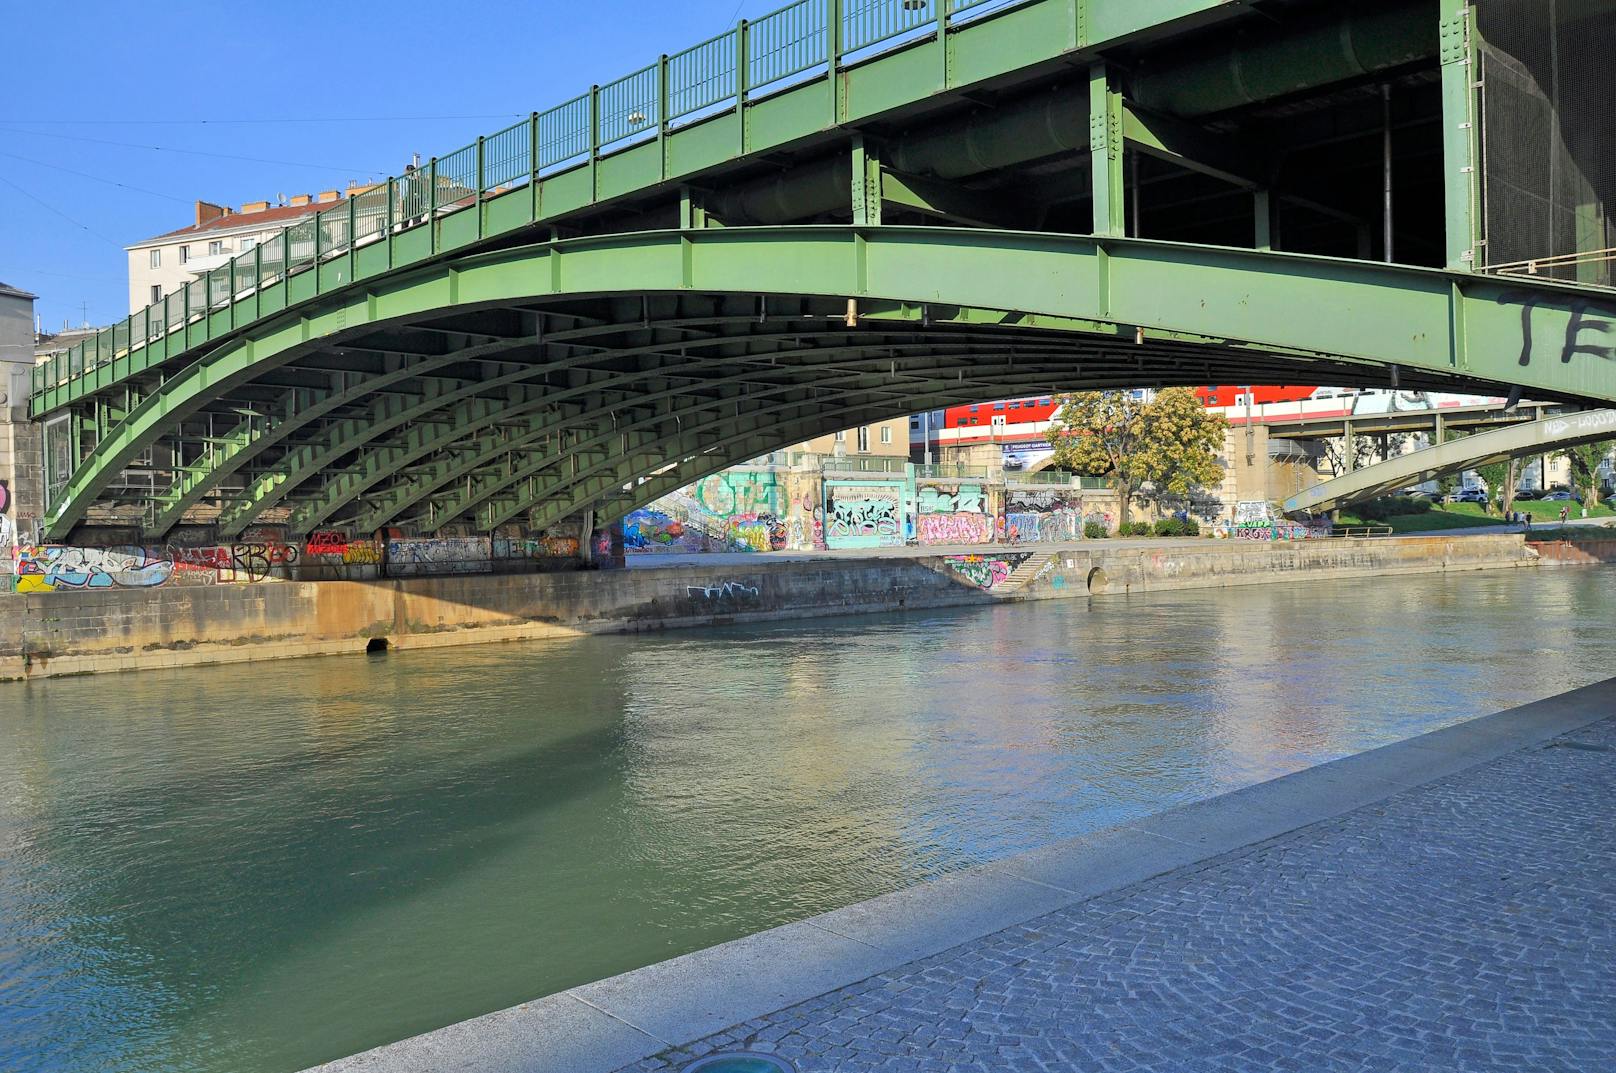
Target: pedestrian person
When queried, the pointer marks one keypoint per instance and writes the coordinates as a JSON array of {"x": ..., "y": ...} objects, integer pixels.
[
  {"x": 1528, "y": 521},
  {"x": 1565, "y": 512}
]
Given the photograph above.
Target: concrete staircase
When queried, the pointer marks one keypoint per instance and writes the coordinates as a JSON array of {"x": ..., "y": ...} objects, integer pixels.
[{"x": 1023, "y": 575}]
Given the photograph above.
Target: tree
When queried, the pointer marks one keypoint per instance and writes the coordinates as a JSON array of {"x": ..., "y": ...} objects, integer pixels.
[
  {"x": 1170, "y": 443},
  {"x": 1585, "y": 460},
  {"x": 1500, "y": 479}
]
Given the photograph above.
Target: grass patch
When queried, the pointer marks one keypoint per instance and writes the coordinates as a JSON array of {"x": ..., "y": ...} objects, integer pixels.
[
  {"x": 1540, "y": 510},
  {"x": 1432, "y": 521}
]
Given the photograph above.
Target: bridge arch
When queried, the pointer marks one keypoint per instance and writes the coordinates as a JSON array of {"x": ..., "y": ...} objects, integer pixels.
[{"x": 449, "y": 388}]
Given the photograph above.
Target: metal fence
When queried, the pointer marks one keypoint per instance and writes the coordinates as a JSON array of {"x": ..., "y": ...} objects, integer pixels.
[{"x": 780, "y": 49}]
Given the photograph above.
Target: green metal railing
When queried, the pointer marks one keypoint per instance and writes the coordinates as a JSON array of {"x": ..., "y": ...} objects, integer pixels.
[{"x": 756, "y": 58}]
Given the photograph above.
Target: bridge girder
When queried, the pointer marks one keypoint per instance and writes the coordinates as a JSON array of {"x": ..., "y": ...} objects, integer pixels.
[
  {"x": 1183, "y": 314},
  {"x": 1512, "y": 441}
]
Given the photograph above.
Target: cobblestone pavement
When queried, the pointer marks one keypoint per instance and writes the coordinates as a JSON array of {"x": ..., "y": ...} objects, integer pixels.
[{"x": 1469, "y": 924}]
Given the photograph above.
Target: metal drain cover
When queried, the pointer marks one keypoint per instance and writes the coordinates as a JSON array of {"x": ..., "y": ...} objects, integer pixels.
[{"x": 740, "y": 1062}]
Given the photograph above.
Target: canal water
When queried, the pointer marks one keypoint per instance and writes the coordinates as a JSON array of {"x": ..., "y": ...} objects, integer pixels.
[{"x": 254, "y": 869}]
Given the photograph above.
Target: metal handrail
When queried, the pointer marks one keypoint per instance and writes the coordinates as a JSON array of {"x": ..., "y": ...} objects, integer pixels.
[{"x": 802, "y": 40}]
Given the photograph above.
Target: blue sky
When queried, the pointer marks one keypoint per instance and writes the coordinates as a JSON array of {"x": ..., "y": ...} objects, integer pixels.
[{"x": 316, "y": 93}]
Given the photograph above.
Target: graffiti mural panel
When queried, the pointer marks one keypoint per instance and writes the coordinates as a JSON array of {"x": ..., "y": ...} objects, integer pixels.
[
  {"x": 1034, "y": 516},
  {"x": 953, "y": 514},
  {"x": 985, "y": 571},
  {"x": 55, "y": 568},
  {"x": 863, "y": 514}
]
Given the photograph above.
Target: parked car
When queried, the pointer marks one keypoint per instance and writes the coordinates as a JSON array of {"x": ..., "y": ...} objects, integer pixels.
[
  {"x": 1527, "y": 493},
  {"x": 1470, "y": 495},
  {"x": 1560, "y": 495}
]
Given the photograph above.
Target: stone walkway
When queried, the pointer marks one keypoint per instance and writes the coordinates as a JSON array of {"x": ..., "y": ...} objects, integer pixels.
[{"x": 1467, "y": 924}]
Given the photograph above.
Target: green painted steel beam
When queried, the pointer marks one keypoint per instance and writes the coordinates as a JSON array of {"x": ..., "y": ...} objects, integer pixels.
[
  {"x": 1106, "y": 152},
  {"x": 1544, "y": 337},
  {"x": 1461, "y": 178},
  {"x": 460, "y": 200}
]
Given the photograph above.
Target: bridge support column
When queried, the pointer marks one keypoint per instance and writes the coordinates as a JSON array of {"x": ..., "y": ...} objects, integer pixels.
[
  {"x": 1349, "y": 446},
  {"x": 866, "y": 185},
  {"x": 1459, "y": 134},
  {"x": 1105, "y": 149},
  {"x": 1262, "y": 207}
]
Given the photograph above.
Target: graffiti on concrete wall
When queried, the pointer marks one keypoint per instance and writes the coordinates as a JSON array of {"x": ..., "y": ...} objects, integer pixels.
[
  {"x": 1032, "y": 516},
  {"x": 652, "y": 529},
  {"x": 724, "y": 592},
  {"x": 985, "y": 571},
  {"x": 953, "y": 515},
  {"x": 444, "y": 555},
  {"x": 863, "y": 514},
  {"x": 54, "y": 568}
]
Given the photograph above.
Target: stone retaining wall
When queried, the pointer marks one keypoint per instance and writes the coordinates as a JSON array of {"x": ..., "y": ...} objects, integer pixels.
[{"x": 93, "y": 630}]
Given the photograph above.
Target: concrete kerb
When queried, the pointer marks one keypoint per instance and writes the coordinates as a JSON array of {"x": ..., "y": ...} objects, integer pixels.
[{"x": 606, "y": 1025}]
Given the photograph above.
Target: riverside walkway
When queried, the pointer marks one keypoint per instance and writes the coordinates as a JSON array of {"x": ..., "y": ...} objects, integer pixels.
[
  {"x": 1443, "y": 903},
  {"x": 1467, "y": 924}
]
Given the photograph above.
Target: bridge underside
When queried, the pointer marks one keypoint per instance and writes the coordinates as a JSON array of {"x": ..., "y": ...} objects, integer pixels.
[{"x": 522, "y": 387}]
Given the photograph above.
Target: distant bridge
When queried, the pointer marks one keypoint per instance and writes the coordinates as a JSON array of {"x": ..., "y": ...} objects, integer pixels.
[
  {"x": 840, "y": 212},
  {"x": 1513, "y": 441}
]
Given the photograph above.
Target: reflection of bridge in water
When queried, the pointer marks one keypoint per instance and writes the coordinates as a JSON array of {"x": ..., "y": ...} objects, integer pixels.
[{"x": 830, "y": 216}]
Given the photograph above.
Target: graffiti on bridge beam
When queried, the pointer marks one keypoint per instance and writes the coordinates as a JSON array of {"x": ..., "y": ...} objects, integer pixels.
[
  {"x": 1577, "y": 323},
  {"x": 64, "y": 568},
  {"x": 985, "y": 571}
]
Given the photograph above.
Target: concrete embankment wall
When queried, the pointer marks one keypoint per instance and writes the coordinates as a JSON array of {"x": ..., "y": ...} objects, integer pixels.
[{"x": 108, "y": 629}]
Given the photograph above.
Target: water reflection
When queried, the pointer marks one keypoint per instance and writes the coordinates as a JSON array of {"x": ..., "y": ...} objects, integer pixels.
[{"x": 259, "y": 868}]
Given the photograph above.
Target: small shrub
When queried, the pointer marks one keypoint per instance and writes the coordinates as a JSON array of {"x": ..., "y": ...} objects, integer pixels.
[
  {"x": 1135, "y": 529},
  {"x": 1170, "y": 527},
  {"x": 1094, "y": 531},
  {"x": 1192, "y": 527}
]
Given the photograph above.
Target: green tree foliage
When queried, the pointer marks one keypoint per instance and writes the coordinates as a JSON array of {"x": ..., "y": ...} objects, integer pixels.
[
  {"x": 1500, "y": 478},
  {"x": 1170, "y": 443},
  {"x": 1585, "y": 460}
]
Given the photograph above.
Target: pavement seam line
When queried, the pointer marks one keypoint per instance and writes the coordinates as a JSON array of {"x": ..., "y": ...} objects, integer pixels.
[{"x": 662, "y": 1043}]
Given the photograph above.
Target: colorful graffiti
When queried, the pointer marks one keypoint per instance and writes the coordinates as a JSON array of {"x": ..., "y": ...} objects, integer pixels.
[
  {"x": 985, "y": 571},
  {"x": 863, "y": 514},
  {"x": 953, "y": 515},
  {"x": 1032, "y": 516},
  {"x": 954, "y": 529},
  {"x": 649, "y": 529},
  {"x": 53, "y": 568}
]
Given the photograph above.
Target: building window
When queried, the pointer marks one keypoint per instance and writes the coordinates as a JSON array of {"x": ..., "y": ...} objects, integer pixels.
[
  {"x": 1016, "y": 405},
  {"x": 864, "y": 438},
  {"x": 886, "y": 433},
  {"x": 247, "y": 244},
  {"x": 156, "y": 293},
  {"x": 156, "y": 258},
  {"x": 998, "y": 406},
  {"x": 841, "y": 437},
  {"x": 185, "y": 255},
  {"x": 215, "y": 247}
]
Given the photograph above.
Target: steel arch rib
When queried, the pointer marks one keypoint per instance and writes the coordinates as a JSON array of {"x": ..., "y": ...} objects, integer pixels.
[
  {"x": 533, "y": 465},
  {"x": 832, "y": 366},
  {"x": 649, "y": 456},
  {"x": 1447, "y": 324}
]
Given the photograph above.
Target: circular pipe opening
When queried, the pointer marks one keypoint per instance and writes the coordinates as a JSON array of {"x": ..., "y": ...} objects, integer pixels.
[{"x": 375, "y": 644}]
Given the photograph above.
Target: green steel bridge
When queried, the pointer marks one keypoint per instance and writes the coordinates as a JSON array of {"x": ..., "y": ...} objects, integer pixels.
[{"x": 850, "y": 210}]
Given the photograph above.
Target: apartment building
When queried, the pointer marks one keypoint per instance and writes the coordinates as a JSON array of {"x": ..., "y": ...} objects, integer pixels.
[{"x": 163, "y": 264}]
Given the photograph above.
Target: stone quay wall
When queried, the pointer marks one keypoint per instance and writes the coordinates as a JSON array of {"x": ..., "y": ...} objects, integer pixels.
[{"x": 107, "y": 629}]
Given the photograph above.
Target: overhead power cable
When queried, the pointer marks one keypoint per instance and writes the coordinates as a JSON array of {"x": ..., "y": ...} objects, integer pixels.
[
  {"x": 52, "y": 208},
  {"x": 97, "y": 178},
  {"x": 192, "y": 152}
]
